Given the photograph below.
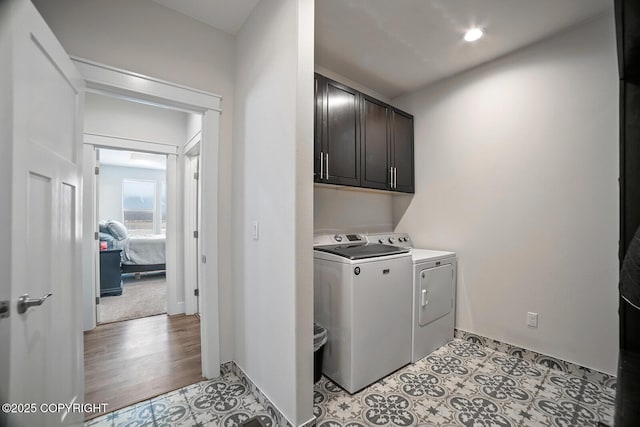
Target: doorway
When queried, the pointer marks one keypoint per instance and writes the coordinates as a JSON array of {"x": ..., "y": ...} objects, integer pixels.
[
  {"x": 131, "y": 207},
  {"x": 141, "y": 262}
]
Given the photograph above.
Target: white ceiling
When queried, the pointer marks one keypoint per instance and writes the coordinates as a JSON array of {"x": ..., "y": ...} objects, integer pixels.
[
  {"x": 225, "y": 15},
  {"x": 397, "y": 46},
  {"x": 132, "y": 159},
  {"x": 394, "y": 47}
]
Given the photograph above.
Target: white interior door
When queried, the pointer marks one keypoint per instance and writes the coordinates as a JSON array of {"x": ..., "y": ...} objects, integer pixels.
[{"x": 42, "y": 348}]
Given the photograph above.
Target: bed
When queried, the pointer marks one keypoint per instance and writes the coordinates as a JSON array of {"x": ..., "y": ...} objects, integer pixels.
[{"x": 140, "y": 253}]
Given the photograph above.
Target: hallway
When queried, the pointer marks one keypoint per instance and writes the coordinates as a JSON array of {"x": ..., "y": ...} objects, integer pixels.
[{"x": 131, "y": 361}]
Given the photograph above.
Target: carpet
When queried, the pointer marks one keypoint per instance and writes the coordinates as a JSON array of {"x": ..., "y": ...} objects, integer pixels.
[{"x": 140, "y": 298}]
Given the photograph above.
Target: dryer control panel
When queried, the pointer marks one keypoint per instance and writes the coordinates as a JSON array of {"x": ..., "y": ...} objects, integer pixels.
[
  {"x": 396, "y": 239},
  {"x": 336, "y": 239}
]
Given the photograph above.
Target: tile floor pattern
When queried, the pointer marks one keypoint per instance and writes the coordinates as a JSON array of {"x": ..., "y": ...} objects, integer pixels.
[
  {"x": 460, "y": 384},
  {"x": 465, "y": 384},
  {"x": 224, "y": 402}
]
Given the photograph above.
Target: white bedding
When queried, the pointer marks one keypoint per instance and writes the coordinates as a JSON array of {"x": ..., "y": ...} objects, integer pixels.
[{"x": 143, "y": 250}]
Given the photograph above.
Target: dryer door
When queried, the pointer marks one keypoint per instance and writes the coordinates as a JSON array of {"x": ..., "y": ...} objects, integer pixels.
[{"x": 435, "y": 293}]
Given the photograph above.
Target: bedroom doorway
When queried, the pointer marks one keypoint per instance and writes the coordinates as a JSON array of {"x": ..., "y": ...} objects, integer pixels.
[
  {"x": 131, "y": 207},
  {"x": 143, "y": 342}
]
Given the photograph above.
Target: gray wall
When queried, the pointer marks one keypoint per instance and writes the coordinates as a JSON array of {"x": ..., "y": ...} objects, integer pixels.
[
  {"x": 516, "y": 170},
  {"x": 110, "y": 190},
  {"x": 273, "y": 184}
]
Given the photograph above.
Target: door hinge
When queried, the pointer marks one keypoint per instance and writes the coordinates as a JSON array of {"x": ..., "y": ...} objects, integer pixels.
[
  {"x": 96, "y": 235},
  {"x": 196, "y": 175},
  {"x": 196, "y": 292},
  {"x": 97, "y": 300},
  {"x": 5, "y": 309},
  {"x": 96, "y": 170},
  {"x": 195, "y": 234}
]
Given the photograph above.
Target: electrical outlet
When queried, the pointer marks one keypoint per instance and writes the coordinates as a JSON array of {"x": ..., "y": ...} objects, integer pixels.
[{"x": 532, "y": 319}]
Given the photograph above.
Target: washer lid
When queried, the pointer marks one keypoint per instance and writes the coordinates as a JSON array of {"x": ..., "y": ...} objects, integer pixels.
[{"x": 362, "y": 251}]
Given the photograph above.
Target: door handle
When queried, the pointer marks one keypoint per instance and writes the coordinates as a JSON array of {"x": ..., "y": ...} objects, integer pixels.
[
  {"x": 24, "y": 302},
  {"x": 321, "y": 166},
  {"x": 423, "y": 298},
  {"x": 395, "y": 177},
  {"x": 326, "y": 169}
]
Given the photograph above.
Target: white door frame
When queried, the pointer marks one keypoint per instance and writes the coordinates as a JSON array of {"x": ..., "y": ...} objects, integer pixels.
[
  {"x": 173, "y": 264},
  {"x": 192, "y": 215},
  {"x": 106, "y": 80}
]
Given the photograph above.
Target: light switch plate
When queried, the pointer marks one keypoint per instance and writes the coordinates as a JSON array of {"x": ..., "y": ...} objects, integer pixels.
[{"x": 254, "y": 229}]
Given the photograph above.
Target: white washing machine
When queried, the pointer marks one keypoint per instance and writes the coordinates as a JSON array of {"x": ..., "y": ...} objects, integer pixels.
[
  {"x": 362, "y": 296},
  {"x": 434, "y": 294}
]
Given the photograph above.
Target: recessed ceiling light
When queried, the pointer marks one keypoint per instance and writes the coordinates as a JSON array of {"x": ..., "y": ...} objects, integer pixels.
[{"x": 473, "y": 34}]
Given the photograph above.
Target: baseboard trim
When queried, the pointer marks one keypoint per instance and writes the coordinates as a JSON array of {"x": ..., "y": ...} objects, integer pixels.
[
  {"x": 279, "y": 418},
  {"x": 550, "y": 362}
]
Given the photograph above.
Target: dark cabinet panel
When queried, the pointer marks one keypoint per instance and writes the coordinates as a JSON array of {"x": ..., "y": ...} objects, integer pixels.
[
  {"x": 402, "y": 151},
  {"x": 318, "y": 154},
  {"x": 342, "y": 155},
  {"x": 337, "y": 133},
  {"x": 375, "y": 144}
]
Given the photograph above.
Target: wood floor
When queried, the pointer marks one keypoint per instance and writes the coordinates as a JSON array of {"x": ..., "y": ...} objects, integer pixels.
[{"x": 134, "y": 360}]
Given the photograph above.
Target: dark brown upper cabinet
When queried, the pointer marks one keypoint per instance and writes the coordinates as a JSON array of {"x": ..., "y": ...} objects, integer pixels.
[
  {"x": 401, "y": 147},
  {"x": 376, "y": 165},
  {"x": 337, "y": 127},
  {"x": 361, "y": 141},
  {"x": 387, "y": 146}
]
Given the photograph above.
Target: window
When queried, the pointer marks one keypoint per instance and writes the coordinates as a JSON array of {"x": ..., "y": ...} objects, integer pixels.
[{"x": 139, "y": 206}]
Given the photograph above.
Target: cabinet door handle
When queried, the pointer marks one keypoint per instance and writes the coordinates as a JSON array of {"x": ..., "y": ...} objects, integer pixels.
[
  {"x": 395, "y": 177},
  {"x": 326, "y": 169},
  {"x": 390, "y": 176},
  {"x": 321, "y": 165}
]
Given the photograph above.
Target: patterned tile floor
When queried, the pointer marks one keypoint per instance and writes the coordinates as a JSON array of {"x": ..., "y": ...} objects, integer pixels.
[
  {"x": 460, "y": 384},
  {"x": 225, "y": 401},
  {"x": 465, "y": 384}
]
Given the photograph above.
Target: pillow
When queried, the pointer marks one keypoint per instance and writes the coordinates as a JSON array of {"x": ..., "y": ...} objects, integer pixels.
[
  {"x": 117, "y": 229},
  {"x": 102, "y": 226},
  {"x": 106, "y": 237}
]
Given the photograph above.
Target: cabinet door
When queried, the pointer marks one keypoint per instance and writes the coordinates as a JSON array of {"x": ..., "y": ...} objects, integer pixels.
[
  {"x": 318, "y": 153},
  {"x": 402, "y": 150},
  {"x": 341, "y": 136},
  {"x": 375, "y": 144}
]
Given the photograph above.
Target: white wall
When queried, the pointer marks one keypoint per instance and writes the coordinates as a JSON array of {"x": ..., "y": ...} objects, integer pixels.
[
  {"x": 132, "y": 34},
  {"x": 110, "y": 192},
  {"x": 116, "y": 117},
  {"x": 342, "y": 210},
  {"x": 272, "y": 182},
  {"x": 516, "y": 170}
]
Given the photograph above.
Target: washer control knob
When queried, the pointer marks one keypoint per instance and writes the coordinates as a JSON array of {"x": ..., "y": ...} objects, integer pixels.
[
  {"x": 337, "y": 238},
  {"x": 380, "y": 240},
  {"x": 403, "y": 239},
  {"x": 392, "y": 240}
]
